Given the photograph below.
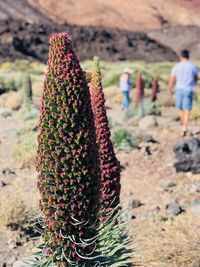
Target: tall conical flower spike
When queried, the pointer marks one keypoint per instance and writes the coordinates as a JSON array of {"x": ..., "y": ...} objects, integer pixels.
[
  {"x": 109, "y": 165},
  {"x": 154, "y": 90},
  {"x": 67, "y": 160},
  {"x": 139, "y": 89}
]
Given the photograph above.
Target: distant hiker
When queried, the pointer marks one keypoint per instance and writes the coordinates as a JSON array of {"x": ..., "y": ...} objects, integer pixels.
[
  {"x": 125, "y": 87},
  {"x": 184, "y": 75},
  {"x": 139, "y": 93},
  {"x": 154, "y": 90}
]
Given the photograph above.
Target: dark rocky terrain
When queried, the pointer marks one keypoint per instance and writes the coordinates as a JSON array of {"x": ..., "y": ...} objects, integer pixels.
[
  {"x": 175, "y": 24},
  {"x": 162, "y": 207},
  {"x": 178, "y": 38},
  {"x": 24, "y": 33},
  {"x": 21, "y": 39},
  {"x": 150, "y": 33}
]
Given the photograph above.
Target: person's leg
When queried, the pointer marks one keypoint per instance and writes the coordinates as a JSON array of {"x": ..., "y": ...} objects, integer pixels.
[
  {"x": 126, "y": 99},
  {"x": 186, "y": 116},
  {"x": 181, "y": 116},
  {"x": 123, "y": 104},
  {"x": 187, "y": 106},
  {"x": 179, "y": 99}
]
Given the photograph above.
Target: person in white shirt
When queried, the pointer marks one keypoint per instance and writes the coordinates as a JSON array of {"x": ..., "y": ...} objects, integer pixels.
[{"x": 125, "y": 87}]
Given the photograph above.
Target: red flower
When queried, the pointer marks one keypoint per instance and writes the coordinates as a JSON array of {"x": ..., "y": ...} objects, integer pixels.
[
  {"x": 106, "y": 151},
  {"x": 64, "y": 181}
]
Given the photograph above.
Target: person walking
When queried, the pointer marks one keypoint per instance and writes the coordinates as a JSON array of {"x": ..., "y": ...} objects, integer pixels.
[
  {"x": 125, "y": 87},
  {"x": 183, "y": 77}
]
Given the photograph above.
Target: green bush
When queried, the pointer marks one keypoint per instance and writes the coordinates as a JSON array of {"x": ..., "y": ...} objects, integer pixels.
[
  {"x": 124, "y": 139},
  {"x": 113, "y": 94},
  {"x": 6, "y": 114},
  {"x": 144, "y": 107},
  {"x": 111, "y": 72},
  {"x": 130, "y": 113},
  {"x": 10, "y": 81},
  {"x": 24, "y": 153},
  {"x": 11, "y": 74}
]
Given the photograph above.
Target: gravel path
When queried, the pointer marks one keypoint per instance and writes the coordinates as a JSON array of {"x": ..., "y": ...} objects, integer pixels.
[{"x": 148, "y": 180}]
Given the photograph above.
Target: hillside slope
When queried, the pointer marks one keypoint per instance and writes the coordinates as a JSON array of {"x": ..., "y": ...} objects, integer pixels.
[
  {"x": 20, "y": 40},
  {"x": 131, "y": 15},
  {"x": 21, "y": 10},
  {"x": 178, "y": 38},
  {"x": 24, "y": 33},
  {"x": 150, "y": 30}
]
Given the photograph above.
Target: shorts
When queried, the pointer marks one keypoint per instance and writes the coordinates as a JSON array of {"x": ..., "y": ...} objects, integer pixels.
[{"x": 184, "y": 99}]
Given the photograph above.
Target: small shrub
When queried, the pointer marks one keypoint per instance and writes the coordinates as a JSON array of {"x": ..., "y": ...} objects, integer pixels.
[
  {"x": 14, "y": 210},
  {"x": 11, "y": 74},
  {"x": 113, "y": 94},
  {"x": 124, "y": 139},
  {"x": 7, "y": 65},
  {"x": 147, "y": 107},
  {"x": 143, "y": 108},
  {"x": 111, "y": 77},
  {"x": 130, "y": 113},
  {"x": 179, "y": 242},
  {"x": 13, "y": 100},
  {"x": 10, "y": 81},
  {"x": 6, "y": 114},
  {"x": 24, "y": 153}
]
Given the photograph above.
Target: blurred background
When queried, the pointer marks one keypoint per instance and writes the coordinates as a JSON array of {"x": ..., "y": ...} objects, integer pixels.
[
  {"x": 146, "y": 36},
  {"x": 151, "y": 30}
]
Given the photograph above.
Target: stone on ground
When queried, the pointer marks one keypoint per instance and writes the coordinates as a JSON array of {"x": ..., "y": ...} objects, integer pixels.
[
  {"x": 187, "y": 155},
  {"x": 174, "y": 209},
  {"x": 166, "y": 184},
  {"x": 134, "y": 203}
]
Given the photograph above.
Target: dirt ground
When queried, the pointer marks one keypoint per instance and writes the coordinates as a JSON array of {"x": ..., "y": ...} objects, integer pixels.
[{"x": 159, "y": 239}]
